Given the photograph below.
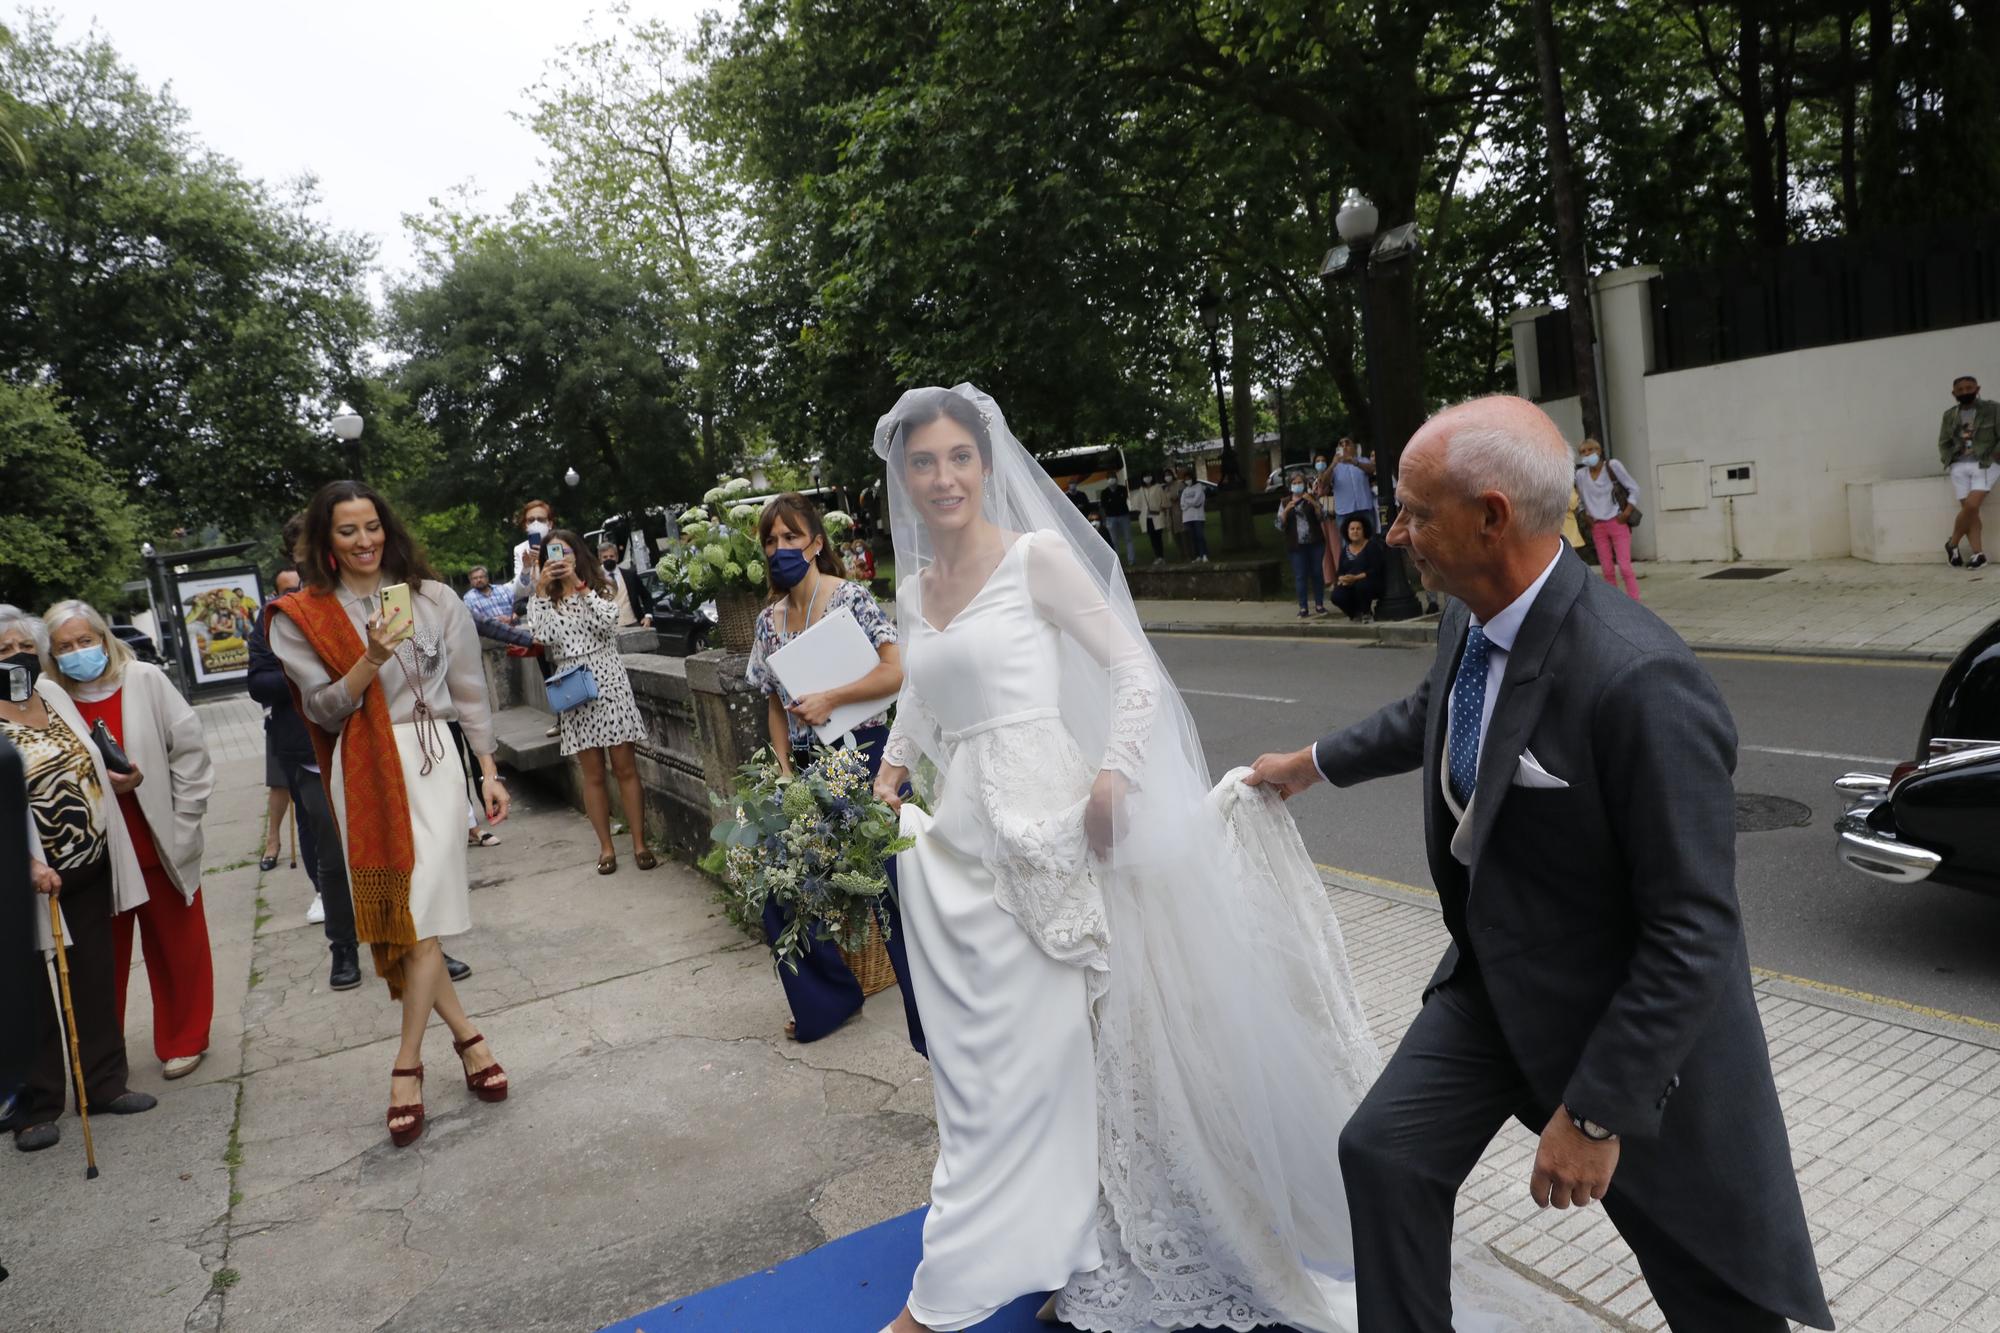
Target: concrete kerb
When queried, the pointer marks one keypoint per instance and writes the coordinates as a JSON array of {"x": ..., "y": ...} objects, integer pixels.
[{"x": 1422, "y": 633}]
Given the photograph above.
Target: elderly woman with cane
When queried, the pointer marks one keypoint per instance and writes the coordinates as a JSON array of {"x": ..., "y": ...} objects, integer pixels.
[
  {"x": 82, "y": 855},
  {"x": 139, "y": 708},
  {"x": 381, "y": 656}
]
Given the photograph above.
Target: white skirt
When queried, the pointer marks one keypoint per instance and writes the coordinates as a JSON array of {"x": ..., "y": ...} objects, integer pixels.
[{"x": 439, "y": 897}]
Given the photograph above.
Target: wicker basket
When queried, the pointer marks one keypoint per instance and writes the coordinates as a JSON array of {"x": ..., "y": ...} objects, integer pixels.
[
  {"x": 737, "y": 613},
  {"x": 871, "y": 966}
]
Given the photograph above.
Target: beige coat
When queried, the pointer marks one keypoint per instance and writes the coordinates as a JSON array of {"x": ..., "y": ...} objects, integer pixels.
[
  {"x": 128, "y": 882},
  {"x": 1149, "y": 503},
  {"x": 163, "y": 738}
]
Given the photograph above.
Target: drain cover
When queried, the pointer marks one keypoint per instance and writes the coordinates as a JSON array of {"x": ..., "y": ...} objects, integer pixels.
[
  {"x": 1762, "y": 814},
  {"x": 1745, "y": 572}
]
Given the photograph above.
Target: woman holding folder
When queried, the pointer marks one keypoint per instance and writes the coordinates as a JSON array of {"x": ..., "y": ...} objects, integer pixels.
[{"x": 806, "y": 585}]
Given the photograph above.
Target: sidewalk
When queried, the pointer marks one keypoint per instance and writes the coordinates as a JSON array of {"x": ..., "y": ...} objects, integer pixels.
[
  {"x": 663, "y": 1137},
  {"x": 1840, "y": 608}
]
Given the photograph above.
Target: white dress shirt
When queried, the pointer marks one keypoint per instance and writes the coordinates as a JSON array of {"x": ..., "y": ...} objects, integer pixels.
[{"x": 1501, "y": 631}]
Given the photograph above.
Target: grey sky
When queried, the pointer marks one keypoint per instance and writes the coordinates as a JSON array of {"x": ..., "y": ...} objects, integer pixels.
[{"x": 387, "y": 102}]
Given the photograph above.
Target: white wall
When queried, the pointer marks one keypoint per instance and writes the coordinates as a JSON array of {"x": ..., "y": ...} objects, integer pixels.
[{"x": 1811, "y": 422}]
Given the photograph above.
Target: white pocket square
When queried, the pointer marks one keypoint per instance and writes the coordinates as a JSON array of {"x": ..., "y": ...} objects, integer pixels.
[{"x": 1530, "y": 773}]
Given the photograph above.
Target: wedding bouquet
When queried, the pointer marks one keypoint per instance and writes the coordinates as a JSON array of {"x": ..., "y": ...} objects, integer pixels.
[{"x": 817, "y": 844}]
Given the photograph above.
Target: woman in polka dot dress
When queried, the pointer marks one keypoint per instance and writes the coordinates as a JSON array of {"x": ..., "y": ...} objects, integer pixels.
[{"x": 574, "y": 616}]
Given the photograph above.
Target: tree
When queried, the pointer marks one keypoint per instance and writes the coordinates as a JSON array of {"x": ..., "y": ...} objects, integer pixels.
[
  {"x": 192, "y": 322},
  {"x": 1569, "y": 211},
  {"x": 66, "y": 530},
  {"x": 523, "y": 358}
]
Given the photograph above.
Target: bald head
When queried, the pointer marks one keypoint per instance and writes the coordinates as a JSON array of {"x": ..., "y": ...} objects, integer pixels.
[{"x": 1502, "y": 444}]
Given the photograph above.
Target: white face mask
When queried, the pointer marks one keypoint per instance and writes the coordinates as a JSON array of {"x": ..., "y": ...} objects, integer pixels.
[
  {"x": 537, "y": 528},
  {"x": 1592, "y": 460},
  {"x": 1298, "y": 488}
]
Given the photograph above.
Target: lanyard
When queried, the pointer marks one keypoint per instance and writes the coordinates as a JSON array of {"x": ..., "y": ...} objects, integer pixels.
[{"x": 811, "y": 602}]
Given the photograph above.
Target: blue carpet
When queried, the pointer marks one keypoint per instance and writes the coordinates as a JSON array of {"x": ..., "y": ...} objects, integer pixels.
[{"x": 852, "y": 1285}]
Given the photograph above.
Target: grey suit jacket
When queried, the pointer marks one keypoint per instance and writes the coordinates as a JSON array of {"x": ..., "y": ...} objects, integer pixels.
[{"x": 1603, "y": 920}]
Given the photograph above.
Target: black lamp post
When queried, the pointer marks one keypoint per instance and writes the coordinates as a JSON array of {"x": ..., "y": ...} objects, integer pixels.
[
  {"x": 1356, "y": 223},
  {"x": 1208, "y": 304}
]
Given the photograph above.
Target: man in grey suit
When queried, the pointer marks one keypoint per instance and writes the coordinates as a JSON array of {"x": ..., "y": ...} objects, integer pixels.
[{"x": 1579, "y": 815}]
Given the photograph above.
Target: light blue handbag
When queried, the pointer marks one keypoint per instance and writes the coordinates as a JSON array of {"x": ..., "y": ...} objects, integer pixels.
[{"x": 571, "y": 686}]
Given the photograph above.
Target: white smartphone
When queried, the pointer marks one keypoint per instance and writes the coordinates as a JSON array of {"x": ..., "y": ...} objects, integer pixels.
[{"x": 396, "y": 597}]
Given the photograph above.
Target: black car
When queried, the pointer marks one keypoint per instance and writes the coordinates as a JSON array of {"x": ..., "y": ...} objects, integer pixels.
[
  {"x": 682, "y": 623},
  {"x": 139, "y": 642},
  {"x": 1937, "y": 817}
]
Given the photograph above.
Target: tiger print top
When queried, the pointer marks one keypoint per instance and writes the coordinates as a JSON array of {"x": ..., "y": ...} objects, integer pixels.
[{"x": 63, "y": 792}]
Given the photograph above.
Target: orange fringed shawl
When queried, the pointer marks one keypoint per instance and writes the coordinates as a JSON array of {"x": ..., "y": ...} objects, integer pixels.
[{"x": 380, "y": 852}]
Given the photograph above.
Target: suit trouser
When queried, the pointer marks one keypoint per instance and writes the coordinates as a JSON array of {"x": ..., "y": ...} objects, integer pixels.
[
  {"x": 1414, "y": 1139},
  {"x": 93, "y": 983},
  {"x": 316, "y": 813}
]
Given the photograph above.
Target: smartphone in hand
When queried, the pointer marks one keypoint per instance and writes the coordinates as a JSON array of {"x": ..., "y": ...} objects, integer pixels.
[
  {"x": 396, "y": 597},
  {"x": 554, "y": 551}
]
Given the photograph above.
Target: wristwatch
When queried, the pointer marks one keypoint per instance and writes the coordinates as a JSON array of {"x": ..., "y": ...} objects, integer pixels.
[{"x": 1591, "y": 1130}]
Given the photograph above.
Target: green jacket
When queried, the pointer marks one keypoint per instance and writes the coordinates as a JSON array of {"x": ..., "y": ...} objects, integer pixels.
[{"x": 1985, "y": 433}]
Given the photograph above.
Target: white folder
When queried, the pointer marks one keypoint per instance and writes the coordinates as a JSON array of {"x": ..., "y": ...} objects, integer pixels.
[{"x": 832, "y": 653}]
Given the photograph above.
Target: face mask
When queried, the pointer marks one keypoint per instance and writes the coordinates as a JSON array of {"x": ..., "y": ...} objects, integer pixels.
[
  {"x": 28, "y": 661},
  {"x": 1591, "y": 460},
  {"x": 1967, "y": 398},
  {"x": 1298, "y": 488},
  {"x": 610, "y": 566},
  {"x": 789, "y": 568},
  {"x": 1319, "y": 465},
  {"x": 537, "y": 528},
  {"x": 85, "y": 664}
]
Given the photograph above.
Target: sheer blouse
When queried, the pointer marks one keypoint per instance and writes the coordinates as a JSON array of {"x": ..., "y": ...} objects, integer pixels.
[{"x": 441, "y": 658}]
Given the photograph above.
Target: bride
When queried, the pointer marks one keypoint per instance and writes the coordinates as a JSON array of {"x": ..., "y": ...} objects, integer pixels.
[{"x": 1144, "y": 1037}]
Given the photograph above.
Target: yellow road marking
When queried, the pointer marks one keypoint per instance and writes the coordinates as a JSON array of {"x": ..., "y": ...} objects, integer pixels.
[{"x": 1768, "y": 974}]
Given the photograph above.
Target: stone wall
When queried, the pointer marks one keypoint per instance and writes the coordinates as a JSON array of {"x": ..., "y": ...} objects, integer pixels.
[
  {"x": 1220, "y": 581},
  {"x": 703, "y": 720}
]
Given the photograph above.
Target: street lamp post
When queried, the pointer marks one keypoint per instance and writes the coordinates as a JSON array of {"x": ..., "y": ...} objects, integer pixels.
[
  {"x": 1208, "y": 304},
  {"x": 347, "y": 427},
  {"x": 1356, "y": 222}
]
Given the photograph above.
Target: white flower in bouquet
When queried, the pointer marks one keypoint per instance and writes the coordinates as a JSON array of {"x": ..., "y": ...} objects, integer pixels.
[
  {"x": 738, "y": 486},
  {"x": 754, "y": 571},
  {"x": 715, "y": 495},
  {"x": 837, "y": 520},
  {"x": 732, "y": 571},
  {"x": 742, "y": 513}
]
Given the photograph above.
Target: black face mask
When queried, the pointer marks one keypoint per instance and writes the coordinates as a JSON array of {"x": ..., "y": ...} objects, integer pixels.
[
  {"x": 29, "y": 661},
  {"x": 1967, "y": 398},
  {"x": 610, "y": 566}
]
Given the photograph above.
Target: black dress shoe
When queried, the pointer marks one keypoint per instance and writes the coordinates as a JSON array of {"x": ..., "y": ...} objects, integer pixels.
[
  {"x": 268, "y": 863},
  {"x": 346, "y": 973},
  {"x": 34, "y": 1138},
  {"x": 130, "y": 1103},
  {"x": 458, "y": 971}
]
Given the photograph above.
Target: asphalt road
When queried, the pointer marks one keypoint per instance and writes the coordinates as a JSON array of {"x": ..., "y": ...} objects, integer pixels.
[{"x": 1800, "y": 724}]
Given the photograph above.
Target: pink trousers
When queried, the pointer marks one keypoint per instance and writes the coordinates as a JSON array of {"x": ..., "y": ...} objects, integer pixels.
[{"x": 1613, "y": 538}]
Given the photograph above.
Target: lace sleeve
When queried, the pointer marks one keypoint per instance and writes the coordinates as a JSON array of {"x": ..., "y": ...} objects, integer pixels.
[
  {"x": 1069, "y": 597},
  {"x": 903, "y": 749}
]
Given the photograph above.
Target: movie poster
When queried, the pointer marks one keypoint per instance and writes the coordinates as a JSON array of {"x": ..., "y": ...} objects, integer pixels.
[{"x": 219, "y": 611}]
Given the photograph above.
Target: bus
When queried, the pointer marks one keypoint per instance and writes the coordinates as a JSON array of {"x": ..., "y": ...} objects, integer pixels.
[{"x": 1090, "y": 468}]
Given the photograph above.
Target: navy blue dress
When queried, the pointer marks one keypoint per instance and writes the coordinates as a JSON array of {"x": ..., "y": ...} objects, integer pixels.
[{"x": 823, "y": 993}]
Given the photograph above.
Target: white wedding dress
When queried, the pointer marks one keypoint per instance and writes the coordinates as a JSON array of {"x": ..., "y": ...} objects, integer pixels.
[{"x": 1142, "y": 1061}]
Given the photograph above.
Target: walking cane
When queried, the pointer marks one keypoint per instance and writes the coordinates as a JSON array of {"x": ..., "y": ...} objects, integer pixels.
[{"x": 75, "y": 1052}]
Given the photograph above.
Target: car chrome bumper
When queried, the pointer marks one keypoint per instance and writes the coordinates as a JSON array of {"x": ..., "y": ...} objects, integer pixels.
[{"x": 1868, "y": 849}]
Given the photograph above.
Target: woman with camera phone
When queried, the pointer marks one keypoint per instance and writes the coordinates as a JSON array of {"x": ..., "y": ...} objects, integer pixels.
[
  {"x": 574, "y": 616},
  {"x": 377, "y": 689}
]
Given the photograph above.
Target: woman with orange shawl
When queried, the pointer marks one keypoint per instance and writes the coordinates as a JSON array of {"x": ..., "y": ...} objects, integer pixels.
[{"x": 392, "y": 774}]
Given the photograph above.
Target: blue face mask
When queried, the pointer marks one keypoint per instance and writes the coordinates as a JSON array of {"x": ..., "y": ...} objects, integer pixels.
[
  {"x": 85, "y": 664},
  {"x": 1319, "y": 465},
  {"x": 788, "y": 568}
]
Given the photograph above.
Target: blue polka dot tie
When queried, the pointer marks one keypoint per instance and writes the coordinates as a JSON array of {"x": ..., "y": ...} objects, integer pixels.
[{"x": 1468, "y": 702}]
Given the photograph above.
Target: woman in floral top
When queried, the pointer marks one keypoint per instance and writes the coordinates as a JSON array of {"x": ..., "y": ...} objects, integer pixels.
[{"x": 804, "y": 573}]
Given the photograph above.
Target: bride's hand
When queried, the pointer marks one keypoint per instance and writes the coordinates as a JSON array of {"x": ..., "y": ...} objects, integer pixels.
[
  {"x": 1100, "y": 816},
  {"x": 889, "y": 780}
]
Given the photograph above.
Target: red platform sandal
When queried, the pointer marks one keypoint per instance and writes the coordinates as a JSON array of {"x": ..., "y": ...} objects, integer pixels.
[
  {"x": 411, "y": 1132},
  {"x": 481, "y": 1084}
]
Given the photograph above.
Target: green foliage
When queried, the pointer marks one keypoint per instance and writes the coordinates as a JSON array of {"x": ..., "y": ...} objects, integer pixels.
[
  {"x": 196, "y": 324},
  {"x": 66, "y": 530},
  {"x": 456, "y": 539},
  {"x": 524, "y": 358},
  {"x": 721, "y": 551},
  {"x": 817, "y": 844}
]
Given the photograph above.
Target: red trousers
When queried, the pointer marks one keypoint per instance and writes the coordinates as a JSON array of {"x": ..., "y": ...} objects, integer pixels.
[{"x": 174, "y": 935}]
